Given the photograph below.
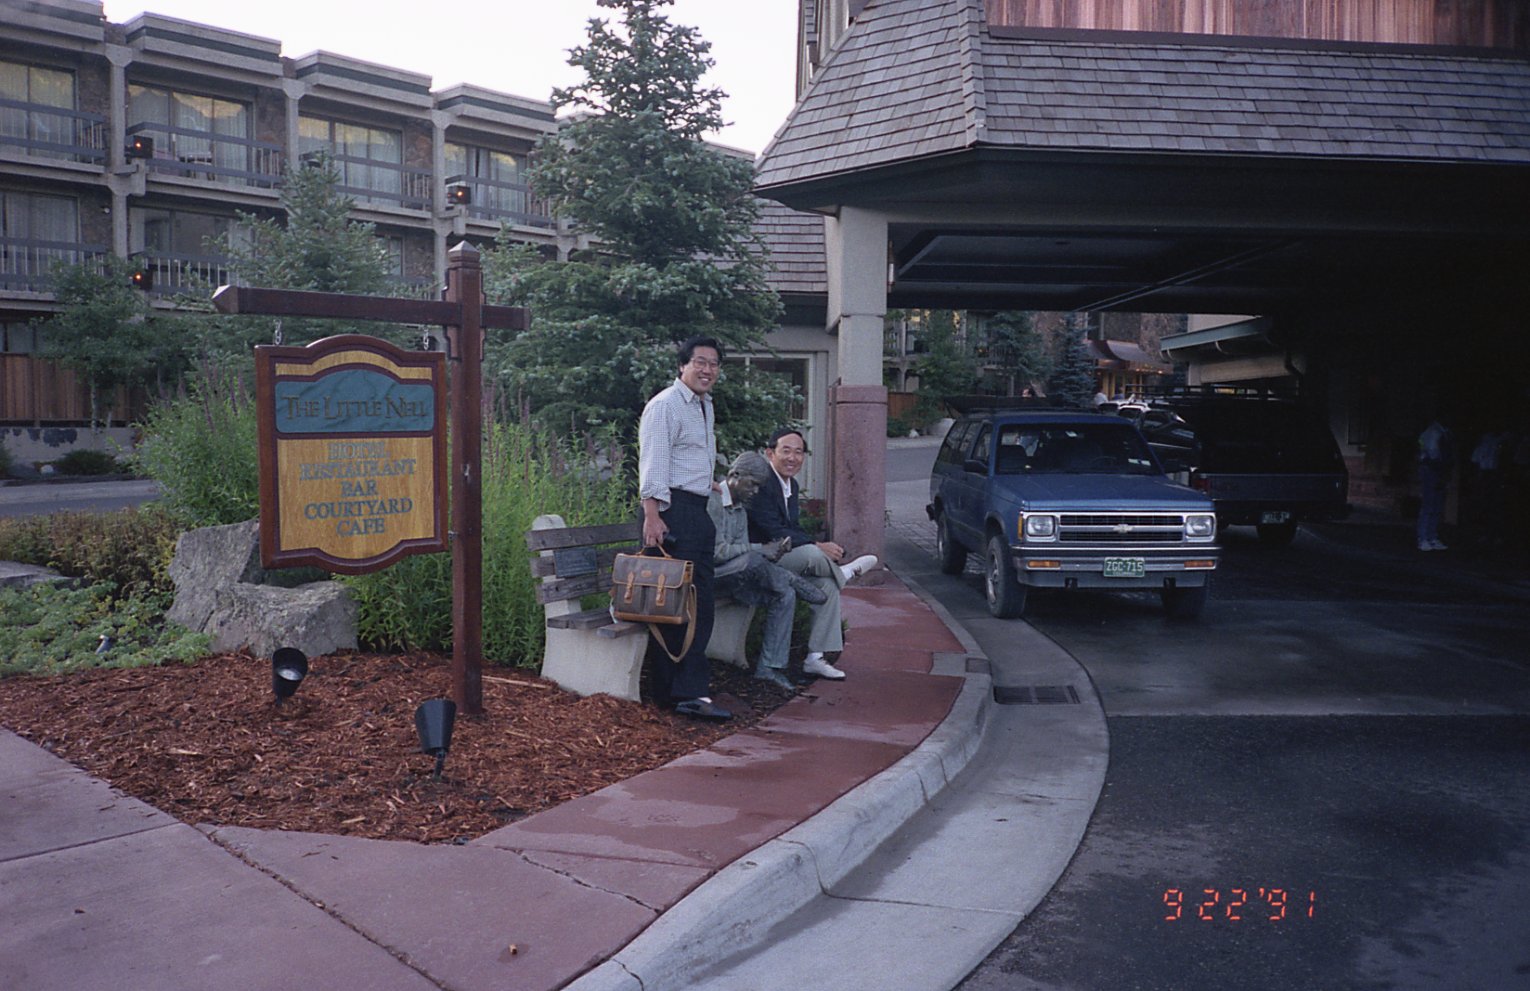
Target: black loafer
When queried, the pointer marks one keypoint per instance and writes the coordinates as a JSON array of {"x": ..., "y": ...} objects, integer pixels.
[{"x": 702, "y": 709}]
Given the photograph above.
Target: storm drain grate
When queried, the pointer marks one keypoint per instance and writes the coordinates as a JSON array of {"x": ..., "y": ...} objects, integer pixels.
[{"x": 1035, "y": 695}]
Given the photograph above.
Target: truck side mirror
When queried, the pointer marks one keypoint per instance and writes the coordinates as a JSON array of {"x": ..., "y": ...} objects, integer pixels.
[{"x": 975, "y": 466}]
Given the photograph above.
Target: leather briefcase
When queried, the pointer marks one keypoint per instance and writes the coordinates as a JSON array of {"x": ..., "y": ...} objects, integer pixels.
[
  {"x": 656, "y": 591},
  {"x": 648, "y": 589}
]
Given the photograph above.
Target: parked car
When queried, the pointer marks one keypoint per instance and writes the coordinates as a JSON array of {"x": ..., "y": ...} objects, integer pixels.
[
  {"x": 1056, "y": 499},
  {"x": 1268, "y": 463}
]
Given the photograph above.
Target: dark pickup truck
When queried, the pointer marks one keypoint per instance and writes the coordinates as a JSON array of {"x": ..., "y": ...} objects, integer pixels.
[
  {"x": 1267, "y": 463},
  {"x": 1058, "y": 499}
]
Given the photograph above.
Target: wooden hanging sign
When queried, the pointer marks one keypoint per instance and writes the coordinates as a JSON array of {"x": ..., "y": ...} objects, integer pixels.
[{"x": 352, "y": 453}]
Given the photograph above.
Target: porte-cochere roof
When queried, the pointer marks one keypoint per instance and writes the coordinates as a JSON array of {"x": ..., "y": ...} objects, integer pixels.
[{"x": 914, "y": 79}]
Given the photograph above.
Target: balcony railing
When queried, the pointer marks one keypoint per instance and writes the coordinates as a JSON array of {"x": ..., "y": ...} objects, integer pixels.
[
  {"x": 27, "y": 265},
  {"x": 52, "y": 132},
  {"x": 212, "y": 157},
  {"x": 412, "y": 287},
  {"x": 502, "y": 200},
  {"x": 179, "y": 274},
  {"x": 368, "y": 180}
]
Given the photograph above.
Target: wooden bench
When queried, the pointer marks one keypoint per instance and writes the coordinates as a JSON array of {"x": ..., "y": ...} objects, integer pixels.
[{"x": 587, "y": 651}]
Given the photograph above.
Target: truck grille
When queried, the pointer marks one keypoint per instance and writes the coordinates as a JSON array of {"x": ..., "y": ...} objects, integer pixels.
[{"x": 1122, "y": 528}]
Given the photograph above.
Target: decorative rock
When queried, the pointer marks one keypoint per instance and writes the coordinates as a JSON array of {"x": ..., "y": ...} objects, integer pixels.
[
  {"x": 318, "y": 618},
  {"x": 220, "y": 588},
  {"x": 15, "y": 575},
  {"x": 206, "y": 560}
]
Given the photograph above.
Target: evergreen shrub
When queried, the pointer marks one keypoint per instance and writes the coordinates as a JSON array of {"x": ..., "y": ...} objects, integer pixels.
[{"x": 86, "y": 462}]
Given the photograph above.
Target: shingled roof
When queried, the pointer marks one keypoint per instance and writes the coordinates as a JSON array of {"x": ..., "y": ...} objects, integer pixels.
[
  {"x": 916, "y": 78},
  {"x": 795, "y": 240}
]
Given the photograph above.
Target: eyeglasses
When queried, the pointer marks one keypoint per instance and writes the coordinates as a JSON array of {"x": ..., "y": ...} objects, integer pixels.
[{"x": 705, "y": 363}]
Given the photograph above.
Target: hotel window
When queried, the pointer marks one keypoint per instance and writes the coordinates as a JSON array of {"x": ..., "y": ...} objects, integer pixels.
[
  {"x": 497, "y": 179},
  {"x": 794, "y": 370},
  {"x": 17, "y": 337},
  {"x": 37, "y": 232},
  {"x": 37, "y": 110},
  {"x": 182, "y": 247},
  {"x": 193, "y": 130},
  {"x": 369, "y": 159}
]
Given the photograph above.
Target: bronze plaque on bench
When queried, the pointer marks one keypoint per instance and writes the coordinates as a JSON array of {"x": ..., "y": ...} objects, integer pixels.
[{"x": 574, "y": 561}]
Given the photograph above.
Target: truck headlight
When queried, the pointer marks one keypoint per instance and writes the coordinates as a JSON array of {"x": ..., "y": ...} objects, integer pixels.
[
  {"x": 1038, "y": 526},
  {"x": 1201, "y": 526}
]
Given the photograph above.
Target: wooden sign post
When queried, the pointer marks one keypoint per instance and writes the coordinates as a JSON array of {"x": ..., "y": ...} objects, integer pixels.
[{"x": 464, "y": 316}]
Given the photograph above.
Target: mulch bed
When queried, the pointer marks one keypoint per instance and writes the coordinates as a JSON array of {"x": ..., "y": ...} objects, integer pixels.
[{"x": 207, "y": 743}]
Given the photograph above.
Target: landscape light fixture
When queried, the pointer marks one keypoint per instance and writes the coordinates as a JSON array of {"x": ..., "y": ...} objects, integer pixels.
[
  {"x": 459, "y": 194},
  {"x": 433, "y": 721},
  {"x": 142, "y": 278},
  {"x": 289, "y": 666}
]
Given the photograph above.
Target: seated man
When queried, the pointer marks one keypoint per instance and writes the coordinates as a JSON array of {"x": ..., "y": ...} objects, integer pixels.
[
  {"x": 774, "y": 513},
  {"x": 745, "y": 572}
]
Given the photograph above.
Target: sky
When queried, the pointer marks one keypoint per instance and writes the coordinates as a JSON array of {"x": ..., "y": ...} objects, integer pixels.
[{"x": 516, "y": 46}]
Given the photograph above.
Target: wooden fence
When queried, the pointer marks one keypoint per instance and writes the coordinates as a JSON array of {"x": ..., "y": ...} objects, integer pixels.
[{"x": 37, "y": 392}]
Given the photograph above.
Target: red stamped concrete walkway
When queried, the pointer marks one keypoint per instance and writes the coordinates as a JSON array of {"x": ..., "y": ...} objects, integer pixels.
[{"x": 101, "y": 891}]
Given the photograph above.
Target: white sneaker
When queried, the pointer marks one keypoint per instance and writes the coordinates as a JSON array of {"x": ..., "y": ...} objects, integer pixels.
[
  {"x": 1427, "y": 545},
  {"x": 859, "y": 566},
  {"x": 814, "y": 664},
  {"x": 1436, "y": 545}
]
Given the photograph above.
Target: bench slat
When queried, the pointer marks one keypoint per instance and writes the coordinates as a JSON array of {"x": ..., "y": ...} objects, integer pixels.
[
  {"x": 590, "y": 619},
  {"x": 560, "y": 589},
  {"x": 579, "y": 536},
  {"x": 621, "y": 629}
]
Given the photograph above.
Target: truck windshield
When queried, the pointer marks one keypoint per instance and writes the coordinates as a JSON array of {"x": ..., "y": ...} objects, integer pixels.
[{"x": 1105, "y": 448}]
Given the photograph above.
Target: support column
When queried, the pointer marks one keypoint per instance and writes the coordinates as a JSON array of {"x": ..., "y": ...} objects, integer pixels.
[
  {"x": 857, "y": 480},
  {"x": 293, "y": 91}
]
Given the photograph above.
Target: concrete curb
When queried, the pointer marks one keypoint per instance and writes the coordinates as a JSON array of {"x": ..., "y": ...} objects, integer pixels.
[{"x": 736, "y": 908}]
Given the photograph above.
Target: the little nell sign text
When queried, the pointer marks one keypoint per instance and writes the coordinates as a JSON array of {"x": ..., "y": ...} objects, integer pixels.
[{"x": 352, "y": 453}]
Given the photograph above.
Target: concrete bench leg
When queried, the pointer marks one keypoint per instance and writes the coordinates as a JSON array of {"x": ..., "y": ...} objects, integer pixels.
[
  {"x": 583, "y": 661},
  {"x": 730, "y": 627},
  {"x": 588, "y": 664}
]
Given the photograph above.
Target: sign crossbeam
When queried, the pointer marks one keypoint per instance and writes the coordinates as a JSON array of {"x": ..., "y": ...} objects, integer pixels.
[{"x": 236, "y": 300}]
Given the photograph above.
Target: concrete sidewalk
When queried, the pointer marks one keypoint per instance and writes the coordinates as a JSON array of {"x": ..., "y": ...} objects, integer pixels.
[{"x": 641, "y": 885}]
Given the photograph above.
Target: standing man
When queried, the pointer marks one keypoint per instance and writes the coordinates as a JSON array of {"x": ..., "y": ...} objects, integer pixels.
[
  {"x": 774, "y": 513},
  {"x": 677, "y": 451},
  {"x": 1436, "y": 458}
]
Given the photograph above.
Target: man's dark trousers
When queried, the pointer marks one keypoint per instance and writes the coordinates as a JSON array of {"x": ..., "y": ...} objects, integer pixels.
[{"x": 694, "y": 539}]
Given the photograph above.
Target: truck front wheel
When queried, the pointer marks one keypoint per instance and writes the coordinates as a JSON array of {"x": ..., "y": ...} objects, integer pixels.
[{"x": 1006, "y": 596}]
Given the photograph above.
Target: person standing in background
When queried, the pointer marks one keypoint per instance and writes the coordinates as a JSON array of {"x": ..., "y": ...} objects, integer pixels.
[{"x": 1436, "y": 455}]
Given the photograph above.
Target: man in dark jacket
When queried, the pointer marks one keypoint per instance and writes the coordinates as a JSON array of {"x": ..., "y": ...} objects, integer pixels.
[{"x": 774, "y": 513}]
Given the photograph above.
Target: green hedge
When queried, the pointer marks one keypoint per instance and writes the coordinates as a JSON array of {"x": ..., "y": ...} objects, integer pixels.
[{"x": 129, "y": 549}]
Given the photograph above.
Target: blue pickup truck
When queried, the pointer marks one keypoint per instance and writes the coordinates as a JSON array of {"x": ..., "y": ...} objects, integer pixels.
[{"x": 1057, "y": 499}]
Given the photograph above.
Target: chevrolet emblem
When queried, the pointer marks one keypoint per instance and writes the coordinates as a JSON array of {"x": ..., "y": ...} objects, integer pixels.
[{"x": 1122, "y": 528}]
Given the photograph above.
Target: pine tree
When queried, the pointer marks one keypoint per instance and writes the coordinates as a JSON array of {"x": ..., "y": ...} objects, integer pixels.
[
  {"x": 1072, "y": 382},
  {"x": 946, "y": 370},
  {"x": 675, "y": 251},
  {"x": 314, "y": 245},
  {"x": 1016, "y": 350}
]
